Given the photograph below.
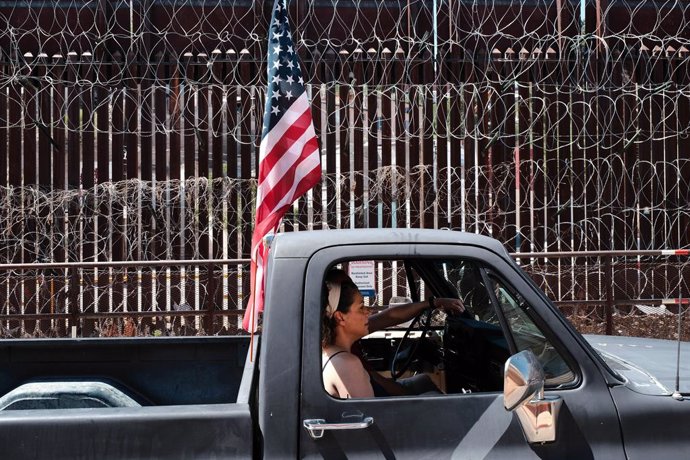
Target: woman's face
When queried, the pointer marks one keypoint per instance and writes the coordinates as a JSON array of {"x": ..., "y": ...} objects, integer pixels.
[{"x": 356, "y": 320}]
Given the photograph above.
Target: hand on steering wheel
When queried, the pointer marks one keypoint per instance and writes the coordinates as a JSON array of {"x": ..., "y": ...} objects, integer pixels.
[{"x": 449, "y": 305}]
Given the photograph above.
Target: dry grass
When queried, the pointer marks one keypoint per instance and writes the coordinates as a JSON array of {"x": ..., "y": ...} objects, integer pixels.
[{"x": 633, "y": 325}]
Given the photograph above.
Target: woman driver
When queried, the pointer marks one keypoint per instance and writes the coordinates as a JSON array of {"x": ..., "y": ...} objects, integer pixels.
[{"x": 345, "y": 320}]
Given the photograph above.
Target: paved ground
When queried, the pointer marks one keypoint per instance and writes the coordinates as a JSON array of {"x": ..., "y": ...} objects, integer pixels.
[{"x": 658, "y": 357}]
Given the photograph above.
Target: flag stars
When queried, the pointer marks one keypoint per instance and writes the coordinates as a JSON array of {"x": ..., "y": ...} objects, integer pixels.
[{"x": 284, "y": 68}]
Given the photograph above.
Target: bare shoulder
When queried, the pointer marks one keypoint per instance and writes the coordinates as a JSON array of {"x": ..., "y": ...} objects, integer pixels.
[
  {"x": 345, "y": 377},
  {"x": 346, "y": 359}
]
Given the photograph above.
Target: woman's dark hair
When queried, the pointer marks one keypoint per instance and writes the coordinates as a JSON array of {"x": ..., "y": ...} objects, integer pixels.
[{"x": 348, "y": 290}]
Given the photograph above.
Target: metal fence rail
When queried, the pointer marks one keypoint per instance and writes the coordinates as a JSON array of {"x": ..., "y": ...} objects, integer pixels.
[
  {"x": 603, "y": 283},
  {"x": 85, "y": 298},
  {"x": 206, "y": 296}
]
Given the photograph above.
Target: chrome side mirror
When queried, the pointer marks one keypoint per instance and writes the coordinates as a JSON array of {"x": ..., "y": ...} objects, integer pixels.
[
  {"x": 523, "y": 378},
  {"x": 523, "y": 392}
]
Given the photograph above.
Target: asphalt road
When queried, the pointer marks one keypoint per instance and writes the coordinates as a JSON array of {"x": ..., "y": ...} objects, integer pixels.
[{"x": 656, "y": 356}]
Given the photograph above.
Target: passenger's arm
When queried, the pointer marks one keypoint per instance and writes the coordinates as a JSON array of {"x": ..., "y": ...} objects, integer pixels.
[{"x": 397, "y": 314}]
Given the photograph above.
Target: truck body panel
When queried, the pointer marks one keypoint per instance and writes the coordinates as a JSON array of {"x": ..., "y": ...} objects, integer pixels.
[
  {"x": 449, "y": 426},
  {"x": 216, "y": 431},
  {"x": 653, "y": 426}
]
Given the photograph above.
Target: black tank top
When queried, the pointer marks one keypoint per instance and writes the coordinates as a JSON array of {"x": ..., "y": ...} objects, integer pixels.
[{"x": 378, "y": 389}]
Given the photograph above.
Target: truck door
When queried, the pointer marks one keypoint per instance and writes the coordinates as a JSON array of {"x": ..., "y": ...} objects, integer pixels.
[{"x": 469, "y": 420}]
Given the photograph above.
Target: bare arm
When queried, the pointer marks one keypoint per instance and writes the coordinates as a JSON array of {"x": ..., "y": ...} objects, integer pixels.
[{"x": 397, "y": 314}]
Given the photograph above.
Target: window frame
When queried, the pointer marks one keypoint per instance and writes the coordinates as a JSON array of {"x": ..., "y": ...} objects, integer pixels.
[{"x": 373, "y": 253}]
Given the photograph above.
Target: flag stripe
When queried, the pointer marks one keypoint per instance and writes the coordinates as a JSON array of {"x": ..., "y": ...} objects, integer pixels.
[
  {"x": 250, "y": 320},
  {"x": 297, "y": 108},
  {"x": 279, "y": 199},
  {"x": 284, "y": 148},
  {"x": 283, "y": 191},
  {"x": 299, "y": 149}
]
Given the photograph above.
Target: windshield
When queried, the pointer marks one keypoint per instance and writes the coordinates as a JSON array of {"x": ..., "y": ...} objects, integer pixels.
[{"x": 470, "y": 280}]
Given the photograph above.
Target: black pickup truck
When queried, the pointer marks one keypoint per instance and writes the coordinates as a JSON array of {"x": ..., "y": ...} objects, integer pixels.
[{"x": 516, "y": 380}]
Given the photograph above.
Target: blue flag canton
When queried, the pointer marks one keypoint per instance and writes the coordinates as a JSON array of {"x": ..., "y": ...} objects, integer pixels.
[{"x": 285, "y": 82}]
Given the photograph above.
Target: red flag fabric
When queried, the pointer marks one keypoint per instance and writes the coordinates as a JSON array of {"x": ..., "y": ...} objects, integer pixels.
[{"x": 289, "y": 159}]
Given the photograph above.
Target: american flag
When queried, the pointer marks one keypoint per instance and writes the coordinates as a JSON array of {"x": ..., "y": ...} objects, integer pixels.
[{"x": 289, "y": 159}]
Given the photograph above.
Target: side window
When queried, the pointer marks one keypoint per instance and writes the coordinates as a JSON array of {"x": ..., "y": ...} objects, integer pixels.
[
  {"x": 527, "y": 335},
  {"x": 402, "y": 348}
]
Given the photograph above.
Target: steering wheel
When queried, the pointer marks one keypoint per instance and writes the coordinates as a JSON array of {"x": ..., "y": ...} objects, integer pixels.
[
  {"x": 408, "y": 353},
  {"x": 409, "y": 350}
]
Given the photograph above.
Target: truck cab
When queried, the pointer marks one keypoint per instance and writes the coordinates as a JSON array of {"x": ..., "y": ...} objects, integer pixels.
[{"x": 506, "y": 315}]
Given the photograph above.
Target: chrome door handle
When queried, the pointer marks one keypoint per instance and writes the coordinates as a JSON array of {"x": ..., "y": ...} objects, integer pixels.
[{"x": 316, "y": 426}]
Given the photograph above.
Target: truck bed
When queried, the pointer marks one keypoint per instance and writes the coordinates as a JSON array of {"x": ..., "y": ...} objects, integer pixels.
[
  {"x": 154, "y": 371},
  {"x": 194, "y": 394}
]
